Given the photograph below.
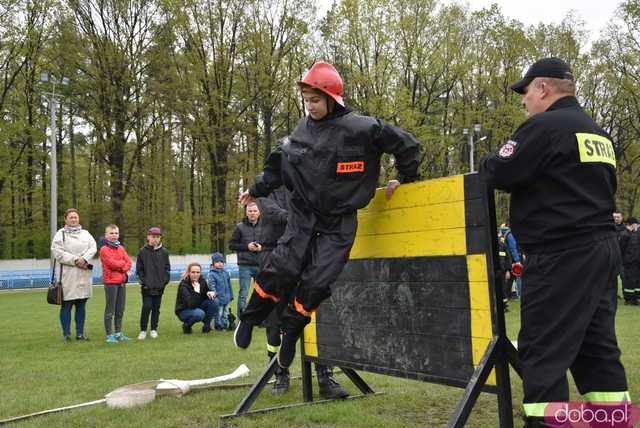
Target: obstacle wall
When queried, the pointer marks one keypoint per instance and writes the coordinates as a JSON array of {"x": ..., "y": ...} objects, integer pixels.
[{"x": 416, "y": 299}]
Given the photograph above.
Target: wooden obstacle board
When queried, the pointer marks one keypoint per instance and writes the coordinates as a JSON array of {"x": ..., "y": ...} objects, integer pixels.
[{"x": 416, "y": 298}]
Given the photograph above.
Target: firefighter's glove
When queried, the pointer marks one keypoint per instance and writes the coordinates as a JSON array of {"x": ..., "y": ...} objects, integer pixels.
[{"x": 516, "y": 269}]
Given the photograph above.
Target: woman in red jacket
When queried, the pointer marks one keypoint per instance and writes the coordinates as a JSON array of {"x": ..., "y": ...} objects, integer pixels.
[{"x": 115, "y": 265}]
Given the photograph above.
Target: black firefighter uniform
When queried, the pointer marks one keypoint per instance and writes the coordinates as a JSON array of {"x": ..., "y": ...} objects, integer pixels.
[
  {"x": 559, "y": 167},
  {"x": 331, "y": 168}
]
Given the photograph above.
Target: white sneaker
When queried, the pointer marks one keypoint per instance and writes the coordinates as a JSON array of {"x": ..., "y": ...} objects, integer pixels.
[
  {"x": 154, "y": 334},
  {"x": 142, "y": 335}
]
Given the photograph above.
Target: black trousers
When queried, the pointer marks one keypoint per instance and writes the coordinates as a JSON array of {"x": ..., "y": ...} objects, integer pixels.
[
  {"x": 308, "y": 259},
  {"x": 631, "y": 283},
  {"x": 150, "y": 305},
  {"x": 568, "y": 323},
  {"x": 507, "y": 286}
]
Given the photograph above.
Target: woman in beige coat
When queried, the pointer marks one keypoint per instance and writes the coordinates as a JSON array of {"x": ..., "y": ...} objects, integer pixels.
[{"x": 73, "y": 247}]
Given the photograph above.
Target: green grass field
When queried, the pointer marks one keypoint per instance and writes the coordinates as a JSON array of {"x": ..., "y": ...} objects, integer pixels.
[{"x": 38, "y": 371}]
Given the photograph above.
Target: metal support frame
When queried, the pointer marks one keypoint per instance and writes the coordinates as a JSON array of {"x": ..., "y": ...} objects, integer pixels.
[
  {"x": 499, "y": 355},
  {"x": 307, "y": 388},
  {"x": 257, "y": 388},
  {"x": 225, "y": 418}
]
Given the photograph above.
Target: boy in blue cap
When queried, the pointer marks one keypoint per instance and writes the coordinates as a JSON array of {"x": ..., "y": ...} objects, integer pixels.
[{"x": 220, "y": 281}]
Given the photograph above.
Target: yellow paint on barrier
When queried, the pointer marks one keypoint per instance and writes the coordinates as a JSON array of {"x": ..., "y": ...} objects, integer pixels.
[
  {"x": 444, "y": 242},
  {"x": 481, "y": 325},
  {"x": 478, "y": 296},
  {"x": 426, "y": 218},
  {"x": 447, "y": 215},
  {"x": 436, "y": 191},
  {"x": 311, "y": 338},
  {"x": 479, "y": 301},
  {"x": 479, "y": 347}
]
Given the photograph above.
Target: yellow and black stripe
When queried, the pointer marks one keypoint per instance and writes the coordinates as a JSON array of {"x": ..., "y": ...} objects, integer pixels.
[{"x": 416, "y": 298}]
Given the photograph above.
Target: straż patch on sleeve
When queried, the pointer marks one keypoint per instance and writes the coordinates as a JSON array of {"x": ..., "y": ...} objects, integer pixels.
[{"x": 507, "y": 150}]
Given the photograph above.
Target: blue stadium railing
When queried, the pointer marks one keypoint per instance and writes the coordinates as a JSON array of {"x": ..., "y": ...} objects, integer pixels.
[{"x": 39, "y": 278}]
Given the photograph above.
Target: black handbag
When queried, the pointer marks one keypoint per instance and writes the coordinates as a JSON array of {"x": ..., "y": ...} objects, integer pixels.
[{"x": 54, "y": 293}]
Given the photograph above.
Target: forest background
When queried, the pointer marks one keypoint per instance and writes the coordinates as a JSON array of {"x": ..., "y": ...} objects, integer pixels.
[{"x": 171, "y": 106}]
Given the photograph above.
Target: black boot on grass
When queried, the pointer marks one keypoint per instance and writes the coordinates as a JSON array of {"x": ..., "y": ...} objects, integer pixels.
[
  {"x": 282, "y": 381},
  {"x": 328, "y": 385}
]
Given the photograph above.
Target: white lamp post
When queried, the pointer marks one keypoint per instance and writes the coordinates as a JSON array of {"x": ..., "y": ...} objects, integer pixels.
[
  {"x": 53, "y": 101},
  {"x": 465, "y": 131}
]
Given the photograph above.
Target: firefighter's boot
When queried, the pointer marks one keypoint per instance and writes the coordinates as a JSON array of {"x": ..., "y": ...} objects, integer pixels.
[{"x": 328, "y": 385}]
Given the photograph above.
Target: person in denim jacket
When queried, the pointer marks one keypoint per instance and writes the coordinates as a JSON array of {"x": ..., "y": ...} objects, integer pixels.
[{"x": 220, "y": 281}]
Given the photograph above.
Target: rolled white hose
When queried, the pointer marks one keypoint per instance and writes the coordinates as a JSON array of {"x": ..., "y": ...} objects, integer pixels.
[
  {"x": 186, "y": 385},
  {"x": 142, "y": 393}
]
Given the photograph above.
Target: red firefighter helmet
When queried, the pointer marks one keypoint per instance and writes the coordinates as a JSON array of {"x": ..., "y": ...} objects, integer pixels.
[{"x": 324, "y": 77}]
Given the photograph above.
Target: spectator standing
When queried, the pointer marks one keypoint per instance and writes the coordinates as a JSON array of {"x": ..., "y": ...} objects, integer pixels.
[
  {"x": 244, "y": 241},
  {"x": 505, "y": 264},
  {"x": 630, "y": 249},
  {"x": 515, "y": 258},
  {"x": 73, "y": 247},
  {"x": 195, "y": 301},
  {"x": 220, "y": 282},
  {"x": 153, "y": 269},
  {"x": 115, "y": 267},
  {"x": 618, "y": 220}
]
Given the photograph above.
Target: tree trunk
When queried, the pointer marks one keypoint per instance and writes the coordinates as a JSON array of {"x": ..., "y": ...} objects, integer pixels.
[
  {"x": 267, "y": 116},
  {"x": 218, "y": 155},
  {"x": 192, "y": 196},
  {"x": 116, "y": 172},
  {"x": 13, "y": 220}
]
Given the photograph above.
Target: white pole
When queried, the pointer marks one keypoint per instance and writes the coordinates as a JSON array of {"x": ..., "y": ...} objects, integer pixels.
[
  {"x": 471, "y": 151},
  {"x": 54, "y": 167}
]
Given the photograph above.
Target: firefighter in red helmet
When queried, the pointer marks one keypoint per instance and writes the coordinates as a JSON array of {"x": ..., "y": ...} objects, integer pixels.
[
  {"x": 325, "y": 77},
  {"x": 330, "y": 164}
]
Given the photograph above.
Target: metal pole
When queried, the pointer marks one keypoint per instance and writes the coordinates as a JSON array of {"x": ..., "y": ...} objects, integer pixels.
[
  {"x": 471, "y": 167},
  {"x": 54, "y": 167}
]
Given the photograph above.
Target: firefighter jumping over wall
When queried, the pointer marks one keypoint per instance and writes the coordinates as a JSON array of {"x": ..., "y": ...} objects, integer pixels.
[{"x": 331, "y": 166}]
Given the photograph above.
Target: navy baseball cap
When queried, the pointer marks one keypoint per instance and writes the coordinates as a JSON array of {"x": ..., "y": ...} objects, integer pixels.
[
  {"x": 217, "y": 257},
  {"x": 546, "y": 67}
]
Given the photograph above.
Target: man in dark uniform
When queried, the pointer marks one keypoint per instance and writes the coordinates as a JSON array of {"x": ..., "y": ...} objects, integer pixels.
[
  {"x": 630, "y": 249},
  {"x": 244, "y": 241},
  {"x": 560, "y": 169},
  {"x": 505, "y": 265},
  {"x": 618, "y": 220}
]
